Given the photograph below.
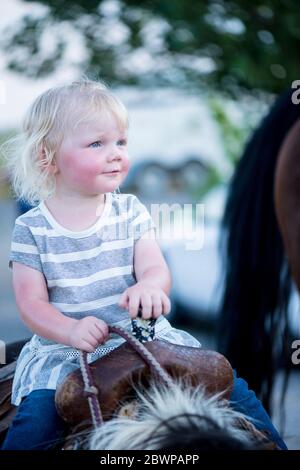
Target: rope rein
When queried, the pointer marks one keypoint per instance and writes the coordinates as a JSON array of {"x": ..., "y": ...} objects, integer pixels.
[{"x": 91, "y": 391}]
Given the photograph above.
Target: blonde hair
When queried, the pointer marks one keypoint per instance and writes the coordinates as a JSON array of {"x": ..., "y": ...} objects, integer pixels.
[{"x": 52, "y": 115}]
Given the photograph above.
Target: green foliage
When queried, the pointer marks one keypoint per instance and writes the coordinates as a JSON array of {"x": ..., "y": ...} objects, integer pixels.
[
  {"x": 234, "y": 127},
  {"x": 233, "y": 134},
  {"x": 213, "y": 179},
  {"x": 4, "y": 136},
  {"x": 5, "y": 190},
  {"x": 234, "y": 46}
]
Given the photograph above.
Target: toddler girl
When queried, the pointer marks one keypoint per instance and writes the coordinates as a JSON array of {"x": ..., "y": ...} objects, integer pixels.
[{"x": 84, "y": 257}]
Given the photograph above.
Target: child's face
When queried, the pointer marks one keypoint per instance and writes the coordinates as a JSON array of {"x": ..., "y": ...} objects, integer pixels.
[{"x": 89, "y": 154}]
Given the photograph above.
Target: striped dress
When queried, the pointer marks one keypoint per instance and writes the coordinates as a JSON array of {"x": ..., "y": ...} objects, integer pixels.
[{"x": 86, "y": 272}]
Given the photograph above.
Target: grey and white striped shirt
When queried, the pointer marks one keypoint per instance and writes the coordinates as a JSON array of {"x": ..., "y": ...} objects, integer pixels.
[{"x": 86, "y": 272}]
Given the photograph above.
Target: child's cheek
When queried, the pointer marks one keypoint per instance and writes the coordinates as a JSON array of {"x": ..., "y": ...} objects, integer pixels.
[
  {"x": 84, "y": 169},
  {"x": 126, "y": 165}
]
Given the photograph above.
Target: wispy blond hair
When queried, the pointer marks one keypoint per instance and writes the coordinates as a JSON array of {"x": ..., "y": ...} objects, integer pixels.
[{"x": 47, "y": 122}]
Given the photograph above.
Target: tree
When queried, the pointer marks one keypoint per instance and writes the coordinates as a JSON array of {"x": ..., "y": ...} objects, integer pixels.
[{"x": 233, "y": 46}]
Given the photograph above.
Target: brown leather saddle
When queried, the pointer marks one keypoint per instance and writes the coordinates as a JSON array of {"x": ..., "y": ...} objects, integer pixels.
[{"x": 118, "y": 373}]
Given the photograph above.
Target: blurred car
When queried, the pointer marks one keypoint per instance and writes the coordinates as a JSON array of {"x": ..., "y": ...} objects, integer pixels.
[{"x": 157, "y": 180}]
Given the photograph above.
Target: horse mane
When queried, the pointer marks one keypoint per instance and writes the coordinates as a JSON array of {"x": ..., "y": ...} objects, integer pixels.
[
  {"x": 257, "y": 277},
  {"x": 181, "y": 417}
]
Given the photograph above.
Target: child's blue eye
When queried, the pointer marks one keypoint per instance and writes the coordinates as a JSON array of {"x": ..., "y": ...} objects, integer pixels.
[
  {"x": 122, "y": 142},
  {"x": 96, "y": 144}
]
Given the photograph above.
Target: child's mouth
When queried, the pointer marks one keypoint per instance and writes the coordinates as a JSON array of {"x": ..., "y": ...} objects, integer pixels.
[{"x": 111, "y": 172}]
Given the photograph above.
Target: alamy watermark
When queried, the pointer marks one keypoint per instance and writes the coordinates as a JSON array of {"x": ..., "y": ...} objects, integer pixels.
[
  {"x": 2, "y": 352},
  {"x": 183, "y": 222},
  {"x": 296, "y": 354},
  {"x": 296, "y": 94}
]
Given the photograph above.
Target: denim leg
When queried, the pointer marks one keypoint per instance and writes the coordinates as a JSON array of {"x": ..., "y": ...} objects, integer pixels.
[
  {"x": 37, "y": 425},
  {"x": 245, "y": 401}
]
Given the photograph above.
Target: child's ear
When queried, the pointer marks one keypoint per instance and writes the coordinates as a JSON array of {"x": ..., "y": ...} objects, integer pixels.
[{"x": 50, "y": 167}]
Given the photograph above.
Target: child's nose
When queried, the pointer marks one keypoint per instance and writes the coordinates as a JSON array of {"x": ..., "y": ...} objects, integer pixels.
[{"x": 114, "y": 154}]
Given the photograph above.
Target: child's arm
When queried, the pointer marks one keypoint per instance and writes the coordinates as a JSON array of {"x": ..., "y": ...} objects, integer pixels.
[
  {"x": 149, "y": 263},
  {"x": 153, "y": 280},
  {"x": 45, "y": 320}
]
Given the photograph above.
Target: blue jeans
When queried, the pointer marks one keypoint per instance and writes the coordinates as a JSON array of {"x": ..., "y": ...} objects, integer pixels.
[
  {"x": 37, "y": 425},
  {"x": 244, "y": 400}
]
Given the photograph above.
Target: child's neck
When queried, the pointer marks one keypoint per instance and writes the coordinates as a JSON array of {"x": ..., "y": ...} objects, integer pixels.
[{"x": 75, "y": 212}]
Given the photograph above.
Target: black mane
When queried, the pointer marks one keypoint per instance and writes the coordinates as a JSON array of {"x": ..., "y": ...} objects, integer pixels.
[{"x": 257, "y": 277}]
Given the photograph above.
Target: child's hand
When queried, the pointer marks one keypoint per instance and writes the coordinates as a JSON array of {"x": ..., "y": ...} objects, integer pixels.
[
  {"x": 86, "y": 334},
  {"x": 152, "y": 299}
]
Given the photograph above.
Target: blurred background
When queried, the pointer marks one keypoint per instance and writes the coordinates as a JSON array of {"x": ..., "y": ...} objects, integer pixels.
[{"x": 197, "y": 78}]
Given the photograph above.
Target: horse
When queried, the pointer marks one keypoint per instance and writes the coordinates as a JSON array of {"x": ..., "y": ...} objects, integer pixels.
[
  {"x": 260, "y": 247},
  {"x": 147, "y": 395}
]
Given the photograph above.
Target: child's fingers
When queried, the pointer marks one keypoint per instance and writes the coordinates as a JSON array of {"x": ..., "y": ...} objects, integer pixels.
[
  {"x": 93, "y": 336},
  {"x": 157, "y": 306},
  {"x": 166, "y": 305},
  {"x": 86, "y": 346},
  {"x": 133, "y": 305},
  {"x": 123, "y": 301},
  {"x": 146, "y": 303},
  {"x": 102, "y": 327},
  {"x": 99, "y": 334}
]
